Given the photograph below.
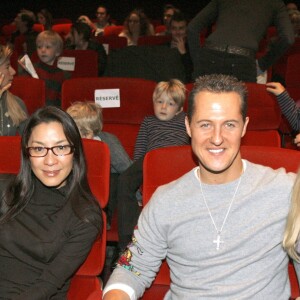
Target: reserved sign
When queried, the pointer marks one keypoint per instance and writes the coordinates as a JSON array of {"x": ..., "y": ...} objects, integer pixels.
[
  {"x": 108, "y": 97},
  {"x": 66, "y": 63}
]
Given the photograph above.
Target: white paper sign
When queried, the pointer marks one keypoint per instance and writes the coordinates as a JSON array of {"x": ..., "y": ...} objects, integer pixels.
[
  {"x": 106, "y": 48},
  {"x": 108, "y": 97},
  {"x": 66, "y": 63}
]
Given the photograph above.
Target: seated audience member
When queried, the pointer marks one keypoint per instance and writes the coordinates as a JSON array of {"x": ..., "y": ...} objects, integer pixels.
[
  {"x": 79, "y": 38},
  {"x": 291, "y": 6},
  {"x": 178, "y": 29},
  {"x": 201, "y": 222},
  {"x": 49, "y": 217},
  {"x": 44, "y": 17},
  {"x": 103, "y": 20},
  {"x": 136, "y": 24},
  {"x": 165, "y": 128},
  {"x": 49, "y": 46},
  {"x": 287, "y": 105},
  {"x": 23, "y": 39},
  {"x": 13, "y": 112},
  {"x": 295, "y": 19},
  {"x": 89, "y": 120},
  {"x": 168, "y": 12}
]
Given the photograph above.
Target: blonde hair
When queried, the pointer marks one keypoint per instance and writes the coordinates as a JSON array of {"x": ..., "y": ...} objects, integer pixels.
[
  {"x": 53, "y": 37},
  {"x": 292, "y": 228},
  {"x": 174, "y": 89},
  {"x": 15, "y": 111},
  {"x": 87, "y": 116}
]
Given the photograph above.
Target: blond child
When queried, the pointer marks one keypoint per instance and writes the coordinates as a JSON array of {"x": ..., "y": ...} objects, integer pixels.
[
  {"x": 89, "y": 120},
  {"x": 49, "y": 46},
  {"x": 165, "y": 128}
]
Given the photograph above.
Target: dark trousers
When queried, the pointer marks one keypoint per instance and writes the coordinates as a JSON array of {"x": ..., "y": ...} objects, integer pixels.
[
  {"x": 128, "y": 208},
  {"x": 217, "y": 62}
]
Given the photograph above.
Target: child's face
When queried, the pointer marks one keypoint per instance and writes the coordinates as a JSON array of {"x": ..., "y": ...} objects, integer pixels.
[
  {"x": 47, "y": 52},
  {"x": 165, "y": 108}
]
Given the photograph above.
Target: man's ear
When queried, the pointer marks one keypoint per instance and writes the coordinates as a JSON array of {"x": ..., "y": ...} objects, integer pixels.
[
  {"x": 187, "y": 126},
  {"x": 245, "y": 126}
]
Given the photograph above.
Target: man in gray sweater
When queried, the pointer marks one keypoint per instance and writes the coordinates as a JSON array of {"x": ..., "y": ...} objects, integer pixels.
[{"x": 220, "y": 226}]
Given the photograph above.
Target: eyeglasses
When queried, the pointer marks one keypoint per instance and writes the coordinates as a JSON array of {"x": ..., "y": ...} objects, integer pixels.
[{"x": 56, "y": 150}]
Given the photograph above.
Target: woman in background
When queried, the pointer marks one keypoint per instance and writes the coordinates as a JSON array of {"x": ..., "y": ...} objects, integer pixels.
[{"x": 13, "y": 111}]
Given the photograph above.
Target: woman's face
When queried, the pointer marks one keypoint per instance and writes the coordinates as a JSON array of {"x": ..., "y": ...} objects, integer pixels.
[
  {"x": 41, "y": 18},
  {"x": 7, "y": 72},
  {"x": 134, "y": 23},
  {"x": 52, "y": 170}
]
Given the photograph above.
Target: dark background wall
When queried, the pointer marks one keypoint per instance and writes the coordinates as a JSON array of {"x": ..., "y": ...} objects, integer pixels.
[{"x": 119, "y": 8}]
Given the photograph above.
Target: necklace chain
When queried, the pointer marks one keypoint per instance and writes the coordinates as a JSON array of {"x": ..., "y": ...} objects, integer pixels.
[{"x": 219, "y": 231}]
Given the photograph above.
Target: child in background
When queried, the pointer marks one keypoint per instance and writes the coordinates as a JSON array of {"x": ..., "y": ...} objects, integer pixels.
[
  {"x": 287, "y": 105},
  {"x": 89, "y": 120},
  {"x": 165, "y": 128},
  {"x": 49, "y": 46}
]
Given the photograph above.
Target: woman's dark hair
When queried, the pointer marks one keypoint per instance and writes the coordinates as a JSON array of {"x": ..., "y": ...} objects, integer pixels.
[
  {"x": 144, "y": 22},
  {"x": 48, "y": 17},
  {"x": 84, "y": 29},
  {"x": 21, "y": 189}
]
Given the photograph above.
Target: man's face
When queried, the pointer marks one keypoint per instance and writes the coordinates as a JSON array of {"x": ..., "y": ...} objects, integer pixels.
[
  {"x": 178, "y": 30},
  {"x": 101, "y": 14},
  {"x": 167, "y": 16},
  {"x": 216, "y": 129}
]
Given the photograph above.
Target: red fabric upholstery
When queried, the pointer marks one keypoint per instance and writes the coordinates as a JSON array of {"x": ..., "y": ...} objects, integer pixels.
[
  {"x": 294, "y": 282},
  {"x": 84, "y": 287},
  {"x": 31, "y": 91},
  {"x": 280, "y": 67},
  {"x": 62, "y": 29},
  {"x": 98, "y": 168},
  {"x": 86, "y": 62},
  {"x": 124, "y": 121},
  {"x": 164, "y": 158},
  {"x": 113, "y": 41},
  {"x": 292, "y": 77},
  {"x": 160, "y": 28},
  {"x": 153, "y": 40},
  {"x": 113, "y": 30}
]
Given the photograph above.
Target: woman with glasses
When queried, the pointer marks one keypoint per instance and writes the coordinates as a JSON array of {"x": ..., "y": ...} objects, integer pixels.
[
  {"x": 136, "y": 24},
  {"x": 49, "y": 218}
]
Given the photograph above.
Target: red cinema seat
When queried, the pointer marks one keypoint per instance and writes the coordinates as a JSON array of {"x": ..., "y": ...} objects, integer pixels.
[
  {"x": 86, "y": 62},
  {"x": 31, "y": 91},
  {"x": 163, "y": 159},
  {"x": 153, "y": 40},
  {"x": 62, "y": 29},
  {"x": 292, "y": 76},
  {"x": 113, "y": 30},
  {"x": 113, "y": 42}
]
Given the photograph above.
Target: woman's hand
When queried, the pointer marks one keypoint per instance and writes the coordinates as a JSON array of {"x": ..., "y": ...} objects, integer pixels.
[
  {"x": 297, "y": 142},
  {"x": 3, "y": 88}
]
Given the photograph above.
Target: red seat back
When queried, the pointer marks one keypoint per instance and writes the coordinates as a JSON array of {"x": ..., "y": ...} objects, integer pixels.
[
  {"x": 86, "y": 62},
  {"x": 31, "y": 91}
]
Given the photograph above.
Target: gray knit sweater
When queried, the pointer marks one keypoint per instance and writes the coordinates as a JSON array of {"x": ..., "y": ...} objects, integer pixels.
[{"x": 250, "y": 264}]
